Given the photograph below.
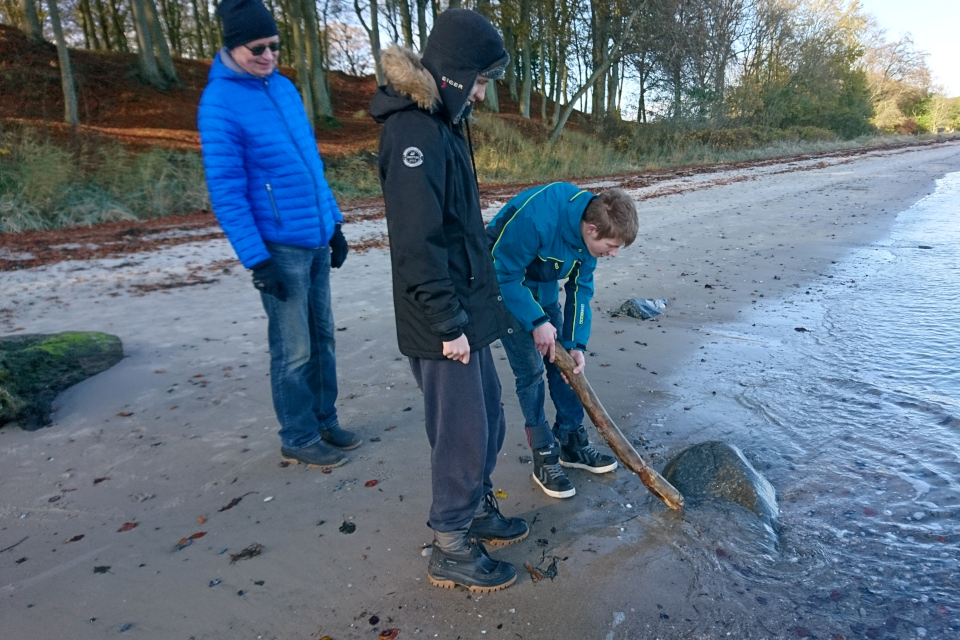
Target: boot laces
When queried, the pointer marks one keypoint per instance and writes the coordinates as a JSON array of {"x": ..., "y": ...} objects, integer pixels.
[
  {"x": 590, "y": 453},
  {"x": 553, "y": 470},
  {"x": 491, "y": 506}
]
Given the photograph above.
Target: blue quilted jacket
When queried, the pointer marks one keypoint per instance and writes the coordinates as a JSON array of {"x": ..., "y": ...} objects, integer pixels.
[{"x": 263, "y": 170}]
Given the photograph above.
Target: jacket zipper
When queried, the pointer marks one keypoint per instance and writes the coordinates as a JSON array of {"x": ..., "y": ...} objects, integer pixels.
[
  {"x": 293, "y": 141},
  {"x": 273, "y": 203}
]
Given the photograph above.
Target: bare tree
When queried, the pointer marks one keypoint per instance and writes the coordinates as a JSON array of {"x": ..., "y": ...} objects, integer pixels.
[
  {"x": 148, "y": 63},
  {"x": 160, "y": 49},
  {"x": 610, "y": 57},
  {"x": 526, "y": 70},
  {"x": 31, "y": 21},
  {"x": 301, "y": 62},
  {"x": 66, "y": 73},
  {"x": 373, "y": 32},
  {"x": 322, "y": 105}
]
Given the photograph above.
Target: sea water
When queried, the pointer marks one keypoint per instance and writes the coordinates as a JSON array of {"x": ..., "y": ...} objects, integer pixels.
[{"x": 846, "y": 395}]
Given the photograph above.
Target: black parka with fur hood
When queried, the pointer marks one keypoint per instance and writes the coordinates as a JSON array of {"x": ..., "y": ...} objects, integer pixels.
[{"x": 444, "y": 284}]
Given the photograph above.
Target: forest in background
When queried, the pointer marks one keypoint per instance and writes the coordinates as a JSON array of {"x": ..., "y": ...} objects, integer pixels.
[
  {"x": 698, "y": 63},
  {"x": 646, "y": 83}
]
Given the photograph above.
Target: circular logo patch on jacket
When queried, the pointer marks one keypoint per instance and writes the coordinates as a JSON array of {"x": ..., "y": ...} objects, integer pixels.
[{"x": 412, "y": 157}]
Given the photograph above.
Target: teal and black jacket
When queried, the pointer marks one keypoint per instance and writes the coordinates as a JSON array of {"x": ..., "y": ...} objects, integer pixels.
[{"x": 535, "y": 241}]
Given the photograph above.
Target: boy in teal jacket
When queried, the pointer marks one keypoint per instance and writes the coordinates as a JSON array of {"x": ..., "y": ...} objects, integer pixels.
[{"x": 545, "y": 234}]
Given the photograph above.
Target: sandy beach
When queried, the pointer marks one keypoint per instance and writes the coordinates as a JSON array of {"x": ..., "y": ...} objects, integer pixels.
[{"x": 179, "y": 439}]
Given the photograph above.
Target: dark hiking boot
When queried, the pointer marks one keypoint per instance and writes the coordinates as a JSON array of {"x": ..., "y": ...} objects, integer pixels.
[
  {"x": 548, "y": 474},
  {"x": 340, "y": 438},
  {"x": 316, "y": 455},
  {"x": 491, "y": 527},
  {"x": 459, "y": 559},
  {"x": 576, "y": 452}
]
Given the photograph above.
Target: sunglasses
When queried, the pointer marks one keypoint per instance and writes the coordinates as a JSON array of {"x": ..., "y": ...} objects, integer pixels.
[{"x": 260, "y": 48}]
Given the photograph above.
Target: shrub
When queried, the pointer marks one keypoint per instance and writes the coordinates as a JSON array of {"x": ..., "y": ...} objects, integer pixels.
[{"x": 45, "y": 185}]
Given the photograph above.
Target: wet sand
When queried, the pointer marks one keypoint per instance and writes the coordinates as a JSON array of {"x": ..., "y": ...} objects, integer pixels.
[{"x": 183, "y": 426}]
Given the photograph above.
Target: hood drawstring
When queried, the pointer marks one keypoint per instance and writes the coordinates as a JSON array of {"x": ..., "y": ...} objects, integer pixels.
[{"x": 476, "y": 178}]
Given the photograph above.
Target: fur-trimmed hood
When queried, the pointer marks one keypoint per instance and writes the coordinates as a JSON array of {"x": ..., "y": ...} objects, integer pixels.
[
  {"x": 403, "y": 70},
  {"x": 409, "y": 85}
]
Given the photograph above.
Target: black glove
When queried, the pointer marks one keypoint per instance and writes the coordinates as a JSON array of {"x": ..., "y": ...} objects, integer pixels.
[
  {"x": 338, "y": 248},
  {"x": 268, "y": 278}
]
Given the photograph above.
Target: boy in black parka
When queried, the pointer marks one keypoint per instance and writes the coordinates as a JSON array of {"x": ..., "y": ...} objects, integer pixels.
[{"x": 446, "y": 298}]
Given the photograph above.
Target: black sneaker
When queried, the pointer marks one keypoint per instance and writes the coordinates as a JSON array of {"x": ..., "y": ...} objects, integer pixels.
[
  {"x": 548, "y": 474},
  {"x": 340, "y": 438},
  {"x": 576, "y": 452},
  {"x": 471, "y": 568},
  {"x": 491, "y": 527},
  {"x": 316, "y": 455}
]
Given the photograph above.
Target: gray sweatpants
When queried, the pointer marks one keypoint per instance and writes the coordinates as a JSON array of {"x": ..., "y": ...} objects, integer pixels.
[{"x": 465, "y": 427}]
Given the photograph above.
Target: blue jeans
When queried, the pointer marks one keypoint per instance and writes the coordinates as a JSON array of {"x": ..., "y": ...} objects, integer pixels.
[
  {"x": 303, "y": 367},
  {"x": 465, "y": 427},
  {"x": 528, "y": 367}
]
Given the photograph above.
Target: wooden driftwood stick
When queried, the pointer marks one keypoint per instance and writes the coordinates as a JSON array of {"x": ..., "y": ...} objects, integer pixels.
[{"x": 615, "y": 439}]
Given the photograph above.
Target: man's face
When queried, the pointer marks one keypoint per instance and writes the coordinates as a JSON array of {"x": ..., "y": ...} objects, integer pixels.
[
  {"x": 260, "y": 65},
  {"x": 479, "y": 90},
  {"x": 599, "y": 248}
]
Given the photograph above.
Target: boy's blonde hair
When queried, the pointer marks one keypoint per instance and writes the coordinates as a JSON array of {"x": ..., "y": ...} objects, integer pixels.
[{"x": 614, "y": 214}]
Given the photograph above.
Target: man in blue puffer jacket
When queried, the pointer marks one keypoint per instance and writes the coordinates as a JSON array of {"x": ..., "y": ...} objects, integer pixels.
[{"x": 269, "y": 194}]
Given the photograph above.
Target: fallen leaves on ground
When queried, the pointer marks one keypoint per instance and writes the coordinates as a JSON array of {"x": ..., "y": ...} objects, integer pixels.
[{"x": 127, "y": 526}]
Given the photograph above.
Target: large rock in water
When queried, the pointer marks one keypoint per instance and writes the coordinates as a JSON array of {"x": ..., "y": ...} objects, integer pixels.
[
  {"x": 719, "y": 471},
  {"x": 34, "y": 368}
]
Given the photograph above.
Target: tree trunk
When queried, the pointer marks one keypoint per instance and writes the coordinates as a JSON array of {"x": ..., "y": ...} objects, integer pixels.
[
  {"x": 491, "y": 101},
  {"x": 118, "y": 19},
  {"x": 613, "y": 89},
  {"x": 373, "y": 32},
  {"x": 600, "y": 16},
  {"x": 609, "y": 59},
  {"x": 300, "y": 61},
  {"x": 148, "y": 64},
  {"x": 406, "y": 22},
  {"x": 561, "y": 92},
  {"x": 66, "y": 74},
  {"x": 160, "y": 48},
  {"x": 83, "y": 19},
  {"x": 211, "y": 25},
  {"x": 31, "y": 21},
  {"x": 197, "y": 30},
  {"x": 170, "y": 10},
  {"x": 422, "y": 23},
  {"x": 510, "y": 73},
  {"x": 103, "y": 22},
  {"x": 526, "y": 68},
  {"x": 318, "y": 87}
]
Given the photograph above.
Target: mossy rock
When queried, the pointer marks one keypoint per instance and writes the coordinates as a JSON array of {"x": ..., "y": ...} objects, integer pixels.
[
  {"x": 720, "y": 471},
  {"x": 35, "y": 368}
]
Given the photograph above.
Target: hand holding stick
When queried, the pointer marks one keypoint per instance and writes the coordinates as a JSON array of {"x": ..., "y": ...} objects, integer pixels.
[{"x": 615, "y": 439}]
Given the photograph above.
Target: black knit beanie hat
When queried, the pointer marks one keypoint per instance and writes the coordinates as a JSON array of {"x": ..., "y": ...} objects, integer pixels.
[
  {"x": 462, "y": 46},
  {"x": 245, "y": 21}
]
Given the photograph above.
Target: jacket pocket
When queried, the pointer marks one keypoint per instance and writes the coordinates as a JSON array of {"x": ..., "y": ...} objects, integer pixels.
[
  {"x": 541, "y": 270},
  {"x": 273, "y": 203}
]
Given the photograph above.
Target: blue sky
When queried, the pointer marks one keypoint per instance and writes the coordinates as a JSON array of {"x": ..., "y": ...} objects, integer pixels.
[{"x": 935, "y": 25}]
